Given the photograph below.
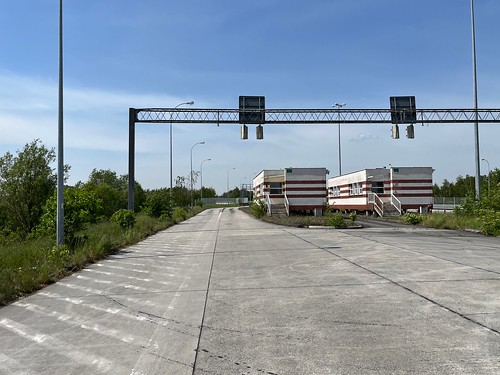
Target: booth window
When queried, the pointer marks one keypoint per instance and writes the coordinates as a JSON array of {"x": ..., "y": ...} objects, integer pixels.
[
  {"x": 275, "y": 188},
  {"x": 378, "y": 187}
]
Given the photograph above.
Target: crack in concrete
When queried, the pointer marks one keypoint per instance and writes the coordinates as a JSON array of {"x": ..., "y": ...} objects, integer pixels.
[{"x": 493, "y": 330}]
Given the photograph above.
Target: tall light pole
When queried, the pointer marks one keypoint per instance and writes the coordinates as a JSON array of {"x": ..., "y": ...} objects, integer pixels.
[
  {"x": 198, "y": 143},
  {"x": 476, "y": 125},
  {"x": 487, "y": 162},
  {"x": 201, "y": 179},
  {"x": 60, "y": 139},
  {"x": 230, "y": 169},
  {"x": 339, "y": 106},
  {"x": 171, "y": 148}
]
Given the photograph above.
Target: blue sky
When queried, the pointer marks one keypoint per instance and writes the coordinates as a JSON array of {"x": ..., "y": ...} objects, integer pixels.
[{"x": 299, "y": 54}]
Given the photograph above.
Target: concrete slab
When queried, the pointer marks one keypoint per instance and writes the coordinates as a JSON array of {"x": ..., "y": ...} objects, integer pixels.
[{"x": 223, "y": 293}]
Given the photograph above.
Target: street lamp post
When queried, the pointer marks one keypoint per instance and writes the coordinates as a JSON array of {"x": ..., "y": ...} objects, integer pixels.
[
  {"x": 171, "y": 148},
  {"x": 339, "y": 106},
  {"x": 60, "y": 139},
  {"x": 487, "y": 162},
  {"x": 228, "y": 177},
  {"x": 201, "y": 179},
  {"x": 476, "y": 125},
  {"x": 198, "y": 143}
]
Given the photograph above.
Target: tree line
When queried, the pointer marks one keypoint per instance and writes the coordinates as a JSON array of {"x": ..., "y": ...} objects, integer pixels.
[
  {"x": 465, "y": 186},
  {"x": 28, "y": 197},
  {"x": 485, "y": 211},
  {"x": 28, "y": 194}
]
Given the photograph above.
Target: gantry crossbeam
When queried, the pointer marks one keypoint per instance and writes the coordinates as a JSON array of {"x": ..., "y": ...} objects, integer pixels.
[
  {"x": 294, "y": 116},
  {"x": 312, "y": 116}
]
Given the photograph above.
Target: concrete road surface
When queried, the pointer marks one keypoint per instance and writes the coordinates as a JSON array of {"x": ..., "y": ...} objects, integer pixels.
[{"x": 223, "y": 293}]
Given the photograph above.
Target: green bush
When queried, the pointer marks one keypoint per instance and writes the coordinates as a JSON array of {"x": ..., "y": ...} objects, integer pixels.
[
  {"x": 412, "y": 218},
  {"x": 489, "y": 221},
  {"x": 81, "y": 207},
  {"x": 258, "y": 208},
  {"x": 124, "y": 218},
  {"x": 158, "y": 203},
  {"x": 353, "y": 215},
  {"x": 336, "y": 220},
  {"x": 179, "y": 215},
  {"x": 468, "y": 207},
  {"x": 59, "y": 254}
]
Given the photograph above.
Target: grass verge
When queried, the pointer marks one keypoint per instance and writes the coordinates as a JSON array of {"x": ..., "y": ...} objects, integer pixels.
[
  {"x": 451, "y": 221},
  {"x": 329, "y": 219},
  {"x": 488, "y": 224},
  {"x": 28, "y": 265}
]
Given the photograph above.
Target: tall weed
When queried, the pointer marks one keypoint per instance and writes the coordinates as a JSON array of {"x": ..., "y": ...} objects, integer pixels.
[{"x": 27, "y": 265}]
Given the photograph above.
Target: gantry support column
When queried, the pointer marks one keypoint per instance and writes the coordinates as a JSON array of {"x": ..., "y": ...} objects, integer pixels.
[{"x": 132, "y": 117}]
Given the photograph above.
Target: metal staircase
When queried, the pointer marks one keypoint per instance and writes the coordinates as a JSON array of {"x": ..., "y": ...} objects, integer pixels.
[
  {"x": 278, "y": 210},
  {"x": 390, "y": 210},
  {"x": 385, "y": 209},
  {"x": 276, "y": 207}
]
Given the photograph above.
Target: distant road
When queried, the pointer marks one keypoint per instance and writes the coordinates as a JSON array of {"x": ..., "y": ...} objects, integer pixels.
[{"x": 223, "y": 293}]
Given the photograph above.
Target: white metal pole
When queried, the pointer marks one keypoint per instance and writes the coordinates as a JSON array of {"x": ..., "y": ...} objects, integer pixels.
[
  {"x": 60, "y": 139},
  {"x": 476, "y": 124}
]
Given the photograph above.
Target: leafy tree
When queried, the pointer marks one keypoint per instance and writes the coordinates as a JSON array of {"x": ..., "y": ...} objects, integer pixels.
[
  {"x": 464, "y": 186},
  {"x": 209, "y": 192},
  {"x": 107, "y": 187},
  {"x": 490, "y": 198},
  {"x": 158, "y": 203},
  {"x": 112, "y": 190},
  {"x": 235, "y": 193},
  {"x": 108, "y": 177},
  {"x": 140, "y": 195},
  {"x": 3, "y": 216},
  {"x": 112, "y": 199},
  {"x": 26, "y": 182},
  {"x": 81, "y": 207}
]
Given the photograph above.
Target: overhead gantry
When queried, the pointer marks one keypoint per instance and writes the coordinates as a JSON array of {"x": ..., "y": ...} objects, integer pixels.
[{"x": 296, "y": 117}]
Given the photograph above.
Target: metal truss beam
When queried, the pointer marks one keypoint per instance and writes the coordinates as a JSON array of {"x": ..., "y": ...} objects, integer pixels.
[
  {"x": 313, "y": 116},
  {"x": 293, "y": 116}
]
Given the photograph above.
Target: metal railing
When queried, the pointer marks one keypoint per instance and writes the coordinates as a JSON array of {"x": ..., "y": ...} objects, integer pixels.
[
  {"x": 378, "y": 204},
  {"x": 269, "y": 204},
  {"x": 456, "y": 201},
  {"x": 396, "y": 203},
  {"x": 287, "y": 206}
]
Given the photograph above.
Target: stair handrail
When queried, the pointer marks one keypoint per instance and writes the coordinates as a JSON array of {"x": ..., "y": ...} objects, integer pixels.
[
  {"x": 268, "y": 203},
  {"x": 396, "y": 203},
  {"x": 378, "y": 204},
  {"x": 287, "y": 205}
]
